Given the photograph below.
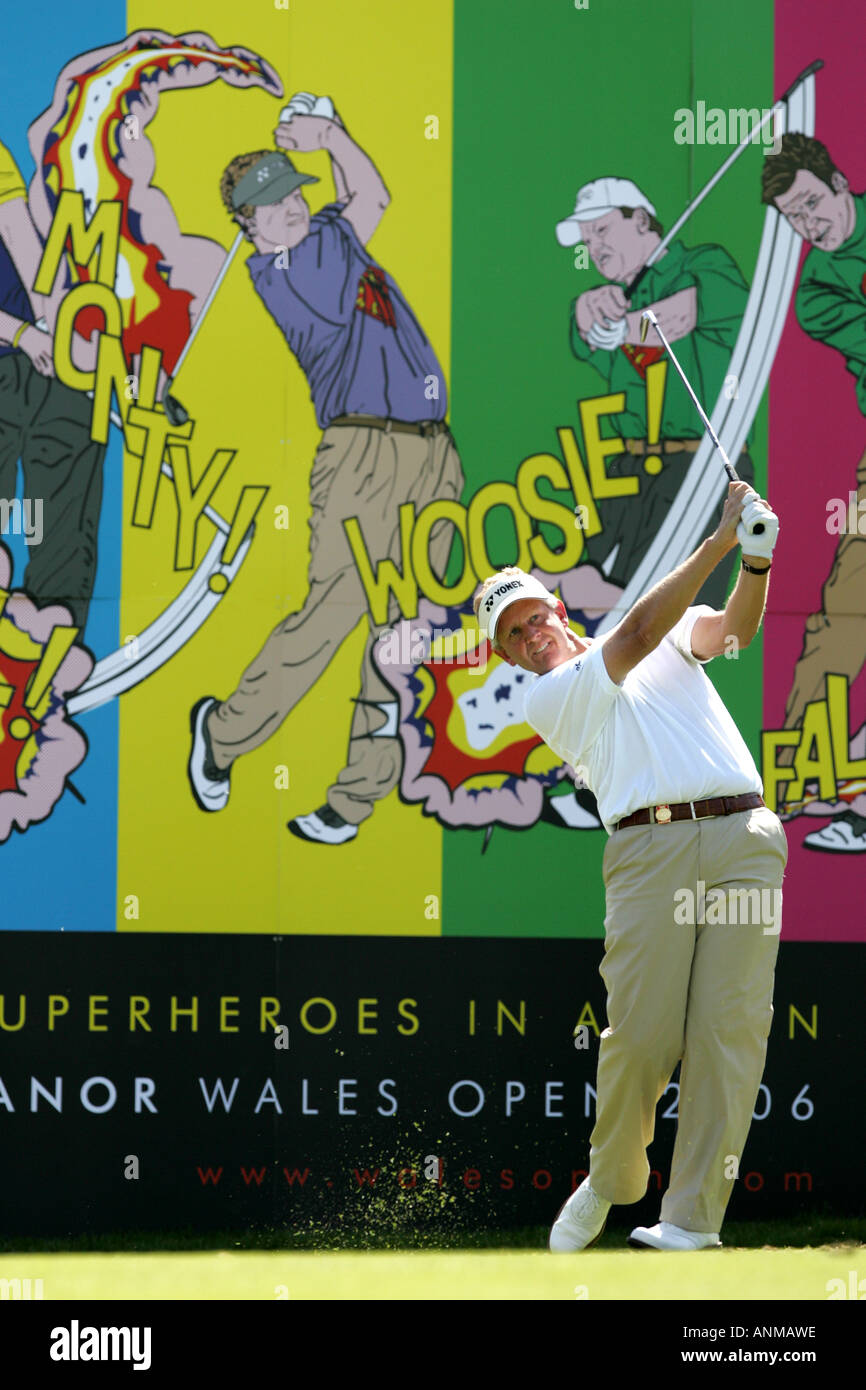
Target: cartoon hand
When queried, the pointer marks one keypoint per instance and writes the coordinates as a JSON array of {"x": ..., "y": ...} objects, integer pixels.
[
  {"x": 39, "y": 347},
  {"x": 302, "y": 133}
]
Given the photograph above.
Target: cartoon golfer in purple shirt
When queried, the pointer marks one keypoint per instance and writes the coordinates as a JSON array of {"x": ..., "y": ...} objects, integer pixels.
[{"x": 379, "y": 395}]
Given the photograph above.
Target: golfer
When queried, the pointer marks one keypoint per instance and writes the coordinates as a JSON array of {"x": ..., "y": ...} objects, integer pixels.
[{"x": 680, "y": 797}]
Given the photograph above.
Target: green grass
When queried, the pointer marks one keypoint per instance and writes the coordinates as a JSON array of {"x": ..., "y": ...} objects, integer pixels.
[
  {"x": 599, "y": 1274},
  {"x": 761, "y": 1260}
]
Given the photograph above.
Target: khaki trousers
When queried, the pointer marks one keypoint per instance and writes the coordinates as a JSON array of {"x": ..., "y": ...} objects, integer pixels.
[
  {"x": 678, "y": 991},
  {"x": 47, "y": 426},
  {"x": 364, "y": 473},
  {"x": 835, "y": 639}
]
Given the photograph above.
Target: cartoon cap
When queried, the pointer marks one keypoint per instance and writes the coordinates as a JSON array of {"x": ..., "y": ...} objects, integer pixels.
[
  {"x": 597, "y": 199},
  {"x": 268, "y": 181}
]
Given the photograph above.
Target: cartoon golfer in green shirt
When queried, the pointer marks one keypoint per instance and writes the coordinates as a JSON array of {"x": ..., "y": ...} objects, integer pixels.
[
  {"x": 699, "y": 297},
  {"x": 814, "y": 196}
]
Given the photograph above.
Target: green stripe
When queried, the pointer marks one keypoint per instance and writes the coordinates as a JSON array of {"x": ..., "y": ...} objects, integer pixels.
[{"x": 547, "y": 97}]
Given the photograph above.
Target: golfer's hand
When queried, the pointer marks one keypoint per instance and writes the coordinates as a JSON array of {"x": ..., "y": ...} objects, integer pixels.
[
  {"x": 594, "y": 306},
  {"x": 757, "y": 512},
  {"x": 726, "y": 531},
  {"x": 39, "y": 347},
  {"x": 302, "y": 133}
]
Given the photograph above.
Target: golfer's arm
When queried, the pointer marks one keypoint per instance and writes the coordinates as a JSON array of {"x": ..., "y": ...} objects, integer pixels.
[
  {"x": 367, "y": 195},
  {"x": 9, "y": 326},
  {"x": 740, "y": 619},
  {"x": 655, "y": 614},
  {"x": 19, "y": 236},
  {"x": 341, "y": 188}
]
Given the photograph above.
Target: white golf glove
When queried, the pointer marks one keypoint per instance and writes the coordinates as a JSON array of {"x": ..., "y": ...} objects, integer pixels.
[
  {"x": 755, "y": 512},
  {"x": 305, "y": 104},
  {"x": 609, "y": 335}
]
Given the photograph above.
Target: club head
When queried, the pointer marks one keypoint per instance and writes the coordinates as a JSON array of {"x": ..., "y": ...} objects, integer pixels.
[{"x": 175, "y": 412}]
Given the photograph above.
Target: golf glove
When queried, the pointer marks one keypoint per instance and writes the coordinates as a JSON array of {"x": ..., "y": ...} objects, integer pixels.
[
  {"x": 610, "y": 335},
  {"x": 305, "y": 104},
  {"x": 754, "y": 512}
]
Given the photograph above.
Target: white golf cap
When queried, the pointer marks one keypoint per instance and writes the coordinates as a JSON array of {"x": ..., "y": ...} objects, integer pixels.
[
  {"x": 597, "y": 199},
  {"x": 511, "y": 588}
]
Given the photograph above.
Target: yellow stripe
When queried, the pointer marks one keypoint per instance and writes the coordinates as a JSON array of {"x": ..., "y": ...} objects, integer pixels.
[{"x": 387, "y": 66}]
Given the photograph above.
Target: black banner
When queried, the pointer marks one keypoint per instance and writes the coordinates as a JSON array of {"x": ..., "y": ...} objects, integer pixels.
[{"x": 216, "y": 1083}]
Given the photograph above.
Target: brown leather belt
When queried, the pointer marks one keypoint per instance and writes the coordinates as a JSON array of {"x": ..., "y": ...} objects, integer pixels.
[
  {"x": 692, "y": 810},
  {"x": 426, "y": 428},
  {"x": 663, "y": 446}
]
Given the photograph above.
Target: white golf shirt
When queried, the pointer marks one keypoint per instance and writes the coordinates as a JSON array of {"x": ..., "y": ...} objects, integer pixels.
[{"x": 662, "y": 736}]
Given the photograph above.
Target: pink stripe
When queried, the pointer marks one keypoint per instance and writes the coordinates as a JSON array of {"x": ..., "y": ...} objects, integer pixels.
[{"x": 817, "y": 435}]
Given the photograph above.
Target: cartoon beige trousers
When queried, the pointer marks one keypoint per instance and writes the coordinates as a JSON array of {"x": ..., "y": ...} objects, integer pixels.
[
  {"x": 678, "y": 990},
  {"x": 367, "y": 473}
]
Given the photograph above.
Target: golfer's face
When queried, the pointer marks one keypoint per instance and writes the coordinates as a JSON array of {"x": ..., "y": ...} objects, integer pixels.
[
  {"x": 816, "y": 213},
  {"x": 532, "y": 636},
  {"x": 615, "y": 245},
  {"x": 285, "y": 223}
]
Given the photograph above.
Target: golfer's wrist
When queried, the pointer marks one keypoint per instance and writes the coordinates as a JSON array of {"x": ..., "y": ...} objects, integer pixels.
[
  {"x": 720, "y": 544},
  {"x": 757, "y": 564}
]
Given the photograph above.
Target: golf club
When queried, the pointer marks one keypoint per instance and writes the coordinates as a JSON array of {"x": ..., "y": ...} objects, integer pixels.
[
  {"x": 175, "y": 412},
  {"x": 720, "y": 173},
  {"x": 647, "y": 318}
]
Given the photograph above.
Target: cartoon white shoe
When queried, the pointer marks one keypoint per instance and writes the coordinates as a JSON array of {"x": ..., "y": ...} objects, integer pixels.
[
  {"x": 323, "y": 827},
  {"x": 210, "y": 784},
  {"x": 846, "y": 834}
]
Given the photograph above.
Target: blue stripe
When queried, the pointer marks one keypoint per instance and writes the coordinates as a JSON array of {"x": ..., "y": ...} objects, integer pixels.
[{"x": 61, "y": 875}]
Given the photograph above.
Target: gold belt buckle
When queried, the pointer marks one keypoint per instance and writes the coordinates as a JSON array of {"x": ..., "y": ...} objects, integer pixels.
[{"x": 662, "y": 814}]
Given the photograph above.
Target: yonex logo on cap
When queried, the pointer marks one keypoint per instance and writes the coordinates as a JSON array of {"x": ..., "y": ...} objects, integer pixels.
[
  {"x": 498, "y": 592},
  {"x": 263, "y": 173}
]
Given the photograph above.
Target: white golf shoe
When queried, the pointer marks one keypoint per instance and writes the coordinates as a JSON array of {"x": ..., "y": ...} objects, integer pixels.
[
  {"x": 210, "y": 785},
  {"x": 323, "y": 827},
  {"x": 580, "y": 1222},
  {"x": 844, "y": 835},
  {"x": 664, "y": 1236}
]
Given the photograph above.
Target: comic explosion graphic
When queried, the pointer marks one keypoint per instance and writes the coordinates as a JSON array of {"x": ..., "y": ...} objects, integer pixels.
[
  {"x": 39, "y": 667},
  {"x": 449, "y": 758},
  {"x": 94, "y": 125},
  {"x": 469, "y": 755}
]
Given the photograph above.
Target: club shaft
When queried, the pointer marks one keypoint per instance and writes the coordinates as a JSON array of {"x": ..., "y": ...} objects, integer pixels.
[
  {"x": 212, "y": 293},
  {"x": 720, "y": 172},
  {"x": 729, "y": 467},
  {"x": 716, "y": 178}
]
